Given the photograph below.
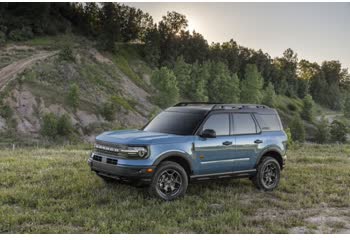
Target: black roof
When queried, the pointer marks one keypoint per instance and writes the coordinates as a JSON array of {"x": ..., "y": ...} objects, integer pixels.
[{"x": 205, "y": 107}]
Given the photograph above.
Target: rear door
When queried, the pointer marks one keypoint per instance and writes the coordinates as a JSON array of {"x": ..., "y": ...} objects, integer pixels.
[
  {"x": 248, "y": 140},
  {"x": 214, "y": 155}
]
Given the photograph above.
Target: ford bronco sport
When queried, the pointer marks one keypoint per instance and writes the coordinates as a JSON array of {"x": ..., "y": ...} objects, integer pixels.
[{"x": 195, "y": 141}]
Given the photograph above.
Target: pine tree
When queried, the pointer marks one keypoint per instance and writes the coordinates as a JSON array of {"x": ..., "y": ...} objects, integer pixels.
[
  {"x": 269, "y": 98},
  {"x": 164, "y": 81},
  {"x": 251, "y": 85},
  {"x": 308, "y": 108},
  {"x": 198, "y": 82},
  {"x": 297, "y": 129},
  {"x": 182, "y": 71},
  {"x": 223, "y": 87}
]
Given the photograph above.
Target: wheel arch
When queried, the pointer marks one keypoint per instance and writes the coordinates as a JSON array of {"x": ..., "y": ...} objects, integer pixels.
[
  {"x": 272, "y": 152},
  {"x": 178, "y": 157}
]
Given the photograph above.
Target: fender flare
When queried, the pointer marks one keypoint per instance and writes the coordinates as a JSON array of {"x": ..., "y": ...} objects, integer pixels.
[
  {"x": 270, "y": 149},
  {"x": 174, "y": 154}
]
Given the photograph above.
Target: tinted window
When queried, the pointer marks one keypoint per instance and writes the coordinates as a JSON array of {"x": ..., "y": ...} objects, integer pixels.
[
  {"x": 179, "y": 123},
  {"x": 243, "y": 124},
  {"x": 268, "y": 122},
  {"x": 220, "y": 123}
]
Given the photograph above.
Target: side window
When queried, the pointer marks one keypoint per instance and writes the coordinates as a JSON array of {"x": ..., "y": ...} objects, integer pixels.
[
  {"x": 268, "y": 122},
  {"x": 220, "y": 123},
  {"x": 243, "y": 123}
]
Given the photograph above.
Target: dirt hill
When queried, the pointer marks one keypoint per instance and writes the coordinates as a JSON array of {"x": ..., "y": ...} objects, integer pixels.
[{"x": 35, "y": 78}]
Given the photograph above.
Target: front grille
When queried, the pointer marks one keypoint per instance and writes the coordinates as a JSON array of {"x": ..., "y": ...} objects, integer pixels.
[
  {"x": 102, "y": 151},
  {"x": 112, "y": 161},
  {"x": 97, "y": 158}
]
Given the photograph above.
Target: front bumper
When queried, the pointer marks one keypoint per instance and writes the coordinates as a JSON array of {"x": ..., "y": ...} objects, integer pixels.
[{"x": 122, "y": 172}]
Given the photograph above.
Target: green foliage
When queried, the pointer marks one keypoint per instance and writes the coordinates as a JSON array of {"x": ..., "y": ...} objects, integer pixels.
[
  {"x": 64, "y": 126},
  {"x": 222, "y": 85},
  {"x": 338, "y": 131},
  {"x": 114, "y": 104},
  {"x": 6, "y": 111},
  {"x": 308, "y": 108},
  {"x": 297, "y": 129},
  {"x": 322, "y": 131},
  {"x": 199, "y": 77},
  {"x": 269, "y": 97},
  {"x": 289, "y": 137},
  {"x": 22, "y": 34},
  {"x": 346, "y": 108},
  {"x": 73, "y": 96},
  {"x": 108, "y": 111},
  {"x": 49, "y": 125},
  {"x": 66, "y": 54},
  {"x": 2, "y": 38},
  {"x": 251, "y": 85},
  {"x": 54, "y": 126},
  {"x": 164, "y": 81},
  {"x": 182, "y": 71}
]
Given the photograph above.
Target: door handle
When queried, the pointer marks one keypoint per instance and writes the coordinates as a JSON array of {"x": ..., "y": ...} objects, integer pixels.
[
  {"x": 258, "y": 141},
  {"x": 226, "y": 143}
]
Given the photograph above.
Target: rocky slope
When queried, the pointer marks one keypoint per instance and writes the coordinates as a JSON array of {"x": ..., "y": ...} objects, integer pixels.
[{"x": 35, "y": 80}]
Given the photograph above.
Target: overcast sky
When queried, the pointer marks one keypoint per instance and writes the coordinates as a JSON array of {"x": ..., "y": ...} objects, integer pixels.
[{"x": 316, "y": 31}]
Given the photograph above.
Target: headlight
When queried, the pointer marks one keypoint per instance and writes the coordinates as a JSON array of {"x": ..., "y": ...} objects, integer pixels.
[{"x": 135, "y": 151}]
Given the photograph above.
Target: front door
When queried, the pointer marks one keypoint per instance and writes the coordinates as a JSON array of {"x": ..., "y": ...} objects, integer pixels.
[{"x": 214, "y": 155}]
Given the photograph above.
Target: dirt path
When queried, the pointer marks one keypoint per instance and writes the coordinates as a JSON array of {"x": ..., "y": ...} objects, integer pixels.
[{"x": 9, "y": 72}]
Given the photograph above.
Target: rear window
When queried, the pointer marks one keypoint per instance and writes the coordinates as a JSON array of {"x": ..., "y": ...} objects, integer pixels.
[{"x": 268, "y": 122}]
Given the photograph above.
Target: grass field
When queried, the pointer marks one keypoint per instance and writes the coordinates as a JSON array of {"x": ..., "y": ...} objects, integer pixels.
[{"x": 53, "y": 191}]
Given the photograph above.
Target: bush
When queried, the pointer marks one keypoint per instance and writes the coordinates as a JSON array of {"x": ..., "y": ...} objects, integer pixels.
[
  {"x": 289, "y": 137},
  {"x": 297, "y": 129},
  {"x": 5, "y": 111},
  {"x": 338, "y": 132},
  {"x": 108, "y": 111},
  {"x": 49, "y": 127},
  {"x": 322, "y": 131},
  {"x": 73, "y": 96},
  {"x": 64, "y": 126},
  {"x": 2, "y": 38},
  {"x": 308, "y": 108},
  {"x": 54, "y": 126},
  {"x": 66, "y": 54},
  {"x": 292, "y": 107},
  {"x": 21, "y": 34}
]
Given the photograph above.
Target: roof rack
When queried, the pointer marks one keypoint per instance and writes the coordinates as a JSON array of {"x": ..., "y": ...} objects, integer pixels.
[
  {"x": 182, "y": 104},
  {"x": 237, "y": 106}
]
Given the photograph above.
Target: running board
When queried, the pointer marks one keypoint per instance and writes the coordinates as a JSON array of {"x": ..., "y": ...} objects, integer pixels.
[{"x": 236, "y": 174}]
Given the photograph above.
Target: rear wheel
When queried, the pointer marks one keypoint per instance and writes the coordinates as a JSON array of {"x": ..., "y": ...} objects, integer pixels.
[
  {"x": 268, "y": 174},
  {"x": 169, "y": 182}
]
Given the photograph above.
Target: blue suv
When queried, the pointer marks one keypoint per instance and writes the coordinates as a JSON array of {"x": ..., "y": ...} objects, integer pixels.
[{"x": 195, "y": 141}]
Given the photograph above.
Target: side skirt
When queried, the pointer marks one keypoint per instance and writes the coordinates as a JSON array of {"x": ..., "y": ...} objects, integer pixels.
[{"x": 236, "y": 174}]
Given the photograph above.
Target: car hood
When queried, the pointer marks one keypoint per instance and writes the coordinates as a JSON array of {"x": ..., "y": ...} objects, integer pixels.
[{"x": 140, "y": 137}]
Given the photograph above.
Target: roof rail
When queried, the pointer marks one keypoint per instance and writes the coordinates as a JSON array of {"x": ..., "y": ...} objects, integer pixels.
[
  {"x": 182, "y": 104},
  {"x": 237, "y": 106}
]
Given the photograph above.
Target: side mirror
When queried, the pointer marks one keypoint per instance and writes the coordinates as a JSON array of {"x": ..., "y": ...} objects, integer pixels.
[{"x": 208, "y": 133}]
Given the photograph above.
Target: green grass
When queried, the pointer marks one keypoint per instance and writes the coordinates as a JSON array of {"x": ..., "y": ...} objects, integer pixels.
[{"x": 53, "y": 191}]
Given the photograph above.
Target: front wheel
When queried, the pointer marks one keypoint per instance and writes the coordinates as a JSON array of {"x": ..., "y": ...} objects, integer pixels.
[
  {"x": 169, "y": 182},
  {"x": 268, "y": 174}
]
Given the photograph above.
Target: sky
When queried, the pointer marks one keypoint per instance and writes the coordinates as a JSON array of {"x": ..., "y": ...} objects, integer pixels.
[{"x": 315, "y": 31}]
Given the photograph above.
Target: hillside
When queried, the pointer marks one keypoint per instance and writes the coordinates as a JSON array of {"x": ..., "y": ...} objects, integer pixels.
[{"x": 35, "y": 80}]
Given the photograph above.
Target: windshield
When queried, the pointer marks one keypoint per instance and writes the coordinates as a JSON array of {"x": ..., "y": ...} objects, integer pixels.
[{"x": 180, "y": 123}]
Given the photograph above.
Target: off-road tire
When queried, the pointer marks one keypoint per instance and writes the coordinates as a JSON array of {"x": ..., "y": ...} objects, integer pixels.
[
  {"x": 159, "y": 177},
  {"x": 260, "y": 179}
]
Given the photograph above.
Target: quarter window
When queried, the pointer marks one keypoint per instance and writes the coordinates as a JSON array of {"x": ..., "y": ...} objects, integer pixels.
[
  {"x": 220, "y": 123},
  {"x": 243, "y": 124},
  {"x": 268, "y": 122}
]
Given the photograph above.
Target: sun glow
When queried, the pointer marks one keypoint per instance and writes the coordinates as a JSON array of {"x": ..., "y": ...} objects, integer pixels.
[{"x": 192, "y": 25}]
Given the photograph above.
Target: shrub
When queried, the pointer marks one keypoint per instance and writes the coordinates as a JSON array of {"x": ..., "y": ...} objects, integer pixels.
[
  {"x": 66, "y": 54},
  {"x": 289, "y": 137},
  {"x": 22, "y": 34},
  {"x": 64, "y": 126},
  {"x": 297, "y": 129},
  {"x": 322, "y": 131},
  {"x": 73, "y": 96},
  {"x": 107, "y": 111},
  {"x": 49, "y": 126},
  {"x": 292, "y": 107},
  {"x": 338, "y": 132},
  {"x": 308, "y": 108}
]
